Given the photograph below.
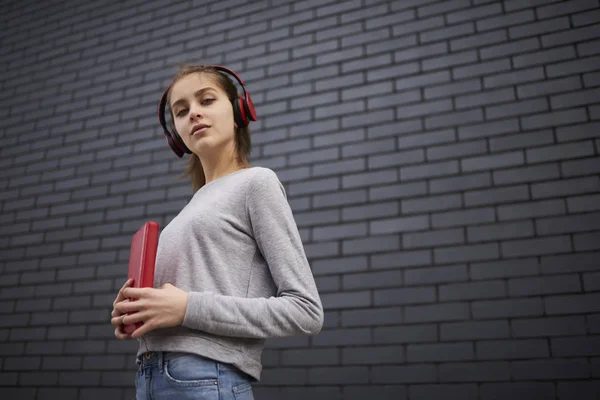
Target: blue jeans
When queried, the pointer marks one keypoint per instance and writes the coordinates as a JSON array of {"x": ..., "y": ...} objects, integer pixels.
[{"x": 169, "y": 375}]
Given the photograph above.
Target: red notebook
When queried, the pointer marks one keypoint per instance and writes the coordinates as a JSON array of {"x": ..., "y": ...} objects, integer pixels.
[{"x": 142, "y": 257}]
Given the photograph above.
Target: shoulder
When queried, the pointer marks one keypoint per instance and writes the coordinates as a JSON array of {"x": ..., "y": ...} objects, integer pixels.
[{"x": 262, "y": 180}]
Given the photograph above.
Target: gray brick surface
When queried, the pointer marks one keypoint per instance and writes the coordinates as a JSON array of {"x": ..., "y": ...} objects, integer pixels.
[{"x": 441, "y": 159}]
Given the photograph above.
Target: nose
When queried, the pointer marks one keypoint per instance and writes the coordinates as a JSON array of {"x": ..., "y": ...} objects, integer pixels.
[{"x": 196, "y": 111}]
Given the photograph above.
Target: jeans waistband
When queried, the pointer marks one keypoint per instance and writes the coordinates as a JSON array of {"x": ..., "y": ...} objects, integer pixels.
[{"x": 158, "y": 357}]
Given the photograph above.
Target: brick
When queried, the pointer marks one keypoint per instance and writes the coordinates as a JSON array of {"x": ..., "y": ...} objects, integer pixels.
[
  {"x": 417, "y": 26},
  {"x": 575, "y": 346},
  {"x": 586, "y": 241},
  {"x": 492, "y": 161},
  {"x": 436, "y": 312},
  {"x": 431, "y": 203},
  {"x": 531, "y": 390},
  {"x": 485, "y": 98},
  {"x": 569, "y": 224},
  {"x": 370, "y": 355},
  {"x": 429, "y": 170},
  {"x": 452, "y": 331},
  {"x": 401, "y": 259},
  {"x": 441, "y": 8},
  {"x": 369, "y": 178},
  {"x": 460, "y": 183},
  {"x": 422, "y": 80},
  {"x": 340, "y": 198},
  {"x": 466, "y": 253},
  {"x": 589, "y": 48},
  {"x": 526, "y": 174},
  {"x": 455, "y": 118},
  {"x": 439, "y": 352},
  {"x": 514, "y": 77},
  {"x": 406, "y": 224},
  {"x": 572, "y": 67},
  {"x": 433, "y": 238},
  {"x": 473, "y": 13},
  {"x": 512, "y": 349},
  {"x": 577, "y": 132},
  {"x": 404, "y": 374},
  {"x": 395, "y": 99},
  {"x": 464, "y": 57},
  {"x": 585, "y": 390},
  {"x": 456, "y": 150},
  {"x": 549, "y": 326},
  {"x": 372, "y": 317},
  {"x": 396, "y": 159},
  {"x": 565, "y": 187},
  {"x": 374, "y": 244},
  {"x": 550, "y": 369},
  {"x": 539, "y": 246},
  {"x": 586, "y": 166},
  {"x": 480, "y": 69},
  {"x": 531, "y": 209},
  {"x": 366, "y": 37},
  {"x": 372, "y": 280},
  {"x": 549, "y": 87},
  {"x": 496, "y": 196},
  {"x": 357, "y": 336},
  {"x": 309, "y": 357},
  {"x": 462, "y": 217},
  {"x": 405, "y": 334},
  {"x": 340, "y": 231},
  {"x": 543, "y": 285},
  {"x": 425, "y": 139},
  {"x": 568, "y": 7},
  {"x": 505, "y": 20},
  {"x": 403, "y": 296},
  {"x": 478, "y": 371},
  {"x": 583, "y": 203},
  {"x": 417, "y": 53},
  {"x": 541, "y": 27},
  {"x": 447, "y": 33},
  {"x": 571, "y": 304},
  {"x": 478, "y": 40}
]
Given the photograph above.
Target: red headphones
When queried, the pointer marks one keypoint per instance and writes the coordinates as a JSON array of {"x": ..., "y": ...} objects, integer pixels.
[{"x": 243, "y": 113}]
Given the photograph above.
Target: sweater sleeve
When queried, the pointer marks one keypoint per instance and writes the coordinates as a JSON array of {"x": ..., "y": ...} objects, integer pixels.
[{"x": 297, "y": 308}]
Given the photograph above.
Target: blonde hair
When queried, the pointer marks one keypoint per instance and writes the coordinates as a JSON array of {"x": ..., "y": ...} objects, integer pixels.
[{"x": 243, "y": 145}]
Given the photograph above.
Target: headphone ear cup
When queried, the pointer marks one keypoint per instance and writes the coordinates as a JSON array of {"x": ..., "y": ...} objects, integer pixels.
[
  {"x": 239, "y": 112},
  {"x": 179, "y": 143},
  {"x": 173, "y": 146}
]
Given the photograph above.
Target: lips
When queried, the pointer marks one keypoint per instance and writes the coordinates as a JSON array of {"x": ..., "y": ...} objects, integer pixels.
[{"x": 198, "y": 129}]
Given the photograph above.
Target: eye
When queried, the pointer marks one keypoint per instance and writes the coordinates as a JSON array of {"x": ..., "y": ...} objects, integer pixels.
[
  {"x": 181, "y": 112},
  {"x": 207, "y": 101}
]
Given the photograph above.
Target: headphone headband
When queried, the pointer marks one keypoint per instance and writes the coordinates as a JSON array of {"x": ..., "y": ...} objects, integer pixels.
[{"x": 243, "y": 110}]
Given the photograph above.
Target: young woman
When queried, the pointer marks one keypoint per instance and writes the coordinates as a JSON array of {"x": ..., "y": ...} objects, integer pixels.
[{"x": 230, "y": 267}]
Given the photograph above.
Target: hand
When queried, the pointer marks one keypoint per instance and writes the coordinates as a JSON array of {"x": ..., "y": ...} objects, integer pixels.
[
  {"x": 163, "y": 307},
  {"x": 117, "y": 317}
]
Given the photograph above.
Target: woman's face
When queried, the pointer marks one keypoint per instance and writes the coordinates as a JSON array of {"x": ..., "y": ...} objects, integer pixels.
[{"x": 202, "y": 113}]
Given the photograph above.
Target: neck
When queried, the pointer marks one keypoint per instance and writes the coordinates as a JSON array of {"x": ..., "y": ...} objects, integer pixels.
[{"x": 219, "y": 166}]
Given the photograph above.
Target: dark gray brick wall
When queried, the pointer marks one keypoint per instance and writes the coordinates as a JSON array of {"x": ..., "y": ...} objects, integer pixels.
[{"x": 441, "y": 158}]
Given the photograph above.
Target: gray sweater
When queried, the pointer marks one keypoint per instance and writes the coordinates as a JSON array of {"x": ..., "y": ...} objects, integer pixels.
[{"x": 236, "y": 250}]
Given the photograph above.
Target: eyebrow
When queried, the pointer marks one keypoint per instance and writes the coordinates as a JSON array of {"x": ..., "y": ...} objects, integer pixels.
[{"x": 198, "y": 93}]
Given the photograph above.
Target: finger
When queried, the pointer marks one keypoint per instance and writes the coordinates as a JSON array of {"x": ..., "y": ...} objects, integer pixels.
[
  {"x": 116, "y": 321},
  {"x": 126, "y": 306},
  {"x": 142, "y": 330},
  {"x": 131, "y": 319},
  {"x": 120, "y": 296},
  {"x": 135, "y": 293},
  {"x": 119, "y": 334}
]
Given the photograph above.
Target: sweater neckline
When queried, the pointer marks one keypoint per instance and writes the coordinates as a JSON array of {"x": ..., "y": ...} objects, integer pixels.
[{"x": 224, "y": 176}]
